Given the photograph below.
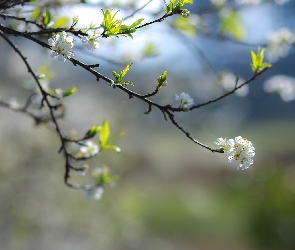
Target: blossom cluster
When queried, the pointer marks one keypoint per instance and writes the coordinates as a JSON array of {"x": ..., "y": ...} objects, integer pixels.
[
  {"x": 283, "y": 85},
  {"x": 91, "y": 40},
  {"x": 94, "y": 193},
  {"x": 89, "y": 149},
  {"x": 280, "y": 43},
  {"x": 185, "y": 100},
  {"x": 219, "y": 3},
  {"x": 238, "y": 150},
  {"x": 86, "y": 149},
  {"x": 248, "y": 2},
  {"x": 281, "y": 2},
  {"x": 62, "y": 44}
]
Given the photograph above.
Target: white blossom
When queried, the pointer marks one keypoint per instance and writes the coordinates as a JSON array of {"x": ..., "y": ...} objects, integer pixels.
[
  {"x": 91, "y": 40},
  {"x": 62, "y": 45},
  {"x": 58, "y": 93},
  {"x": 279, "y": 44},
  {"x": 281, "y": 2},
  {"x": 89, "y": 148},
  {"x": 94, "y": 192},
  {"x": 185, "y": 100},
  {"x": 283, "y": 85},
  {"x": 248, "y": 2},
  {"x": 218, "y": 3},
  {"x": 185, "y": 13},
  {"x": 238, "y": 150},
  {"x": 13, "y": 103},
  {"x": 228, "y": 82}
]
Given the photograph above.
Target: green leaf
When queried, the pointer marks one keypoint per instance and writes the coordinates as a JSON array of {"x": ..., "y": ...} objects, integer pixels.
[
  {"x": 103, "y": 176},
  {"x": 92, "y": 131},
  {"x": 46, "y": 17},
  {"x": 165, "y": 117},
  {"x": 125, "y": 71},
  {"x": 257, "y": 60},
  {"x": 136, "y": 23},
  {"x": 254, "y": 62},
  {"x": 60, "y": 22},
  {"x": 184, "y": 25},
  {"x": 149, "y": 50},
  {"x": 104, "y": 134},
  {"x": 110, "y": 25},
  {"x": 72, "y": 90},
  {"x": 105, "y": 140},
  {"x": 45, "y": 70},
  {"x": 36, "y": 13},
  {"x": 230, "y": 25},
  {"x": 112, "y": 147},
  {"x": 119, "y": 76},
  {"x": 114, "y": 27},
  {"x": 163, "y": 77},
  {"x": 183, "y": 2},
  {"x": 116, "y": 137},
  {"x": 175, "y": 6},
  {"x": 169, "y": 8},
  {"x": 162, "y": 80}
]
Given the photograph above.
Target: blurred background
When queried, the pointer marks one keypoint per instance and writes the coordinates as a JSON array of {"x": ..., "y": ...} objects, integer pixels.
[{"x": 172, "y": 194}]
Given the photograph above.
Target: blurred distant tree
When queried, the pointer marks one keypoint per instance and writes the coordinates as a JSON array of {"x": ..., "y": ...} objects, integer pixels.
[{"x": 45, "y": 24}]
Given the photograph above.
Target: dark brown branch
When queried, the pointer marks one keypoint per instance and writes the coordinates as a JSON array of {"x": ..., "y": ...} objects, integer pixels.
[
  {"x": 5, "y": 16},
  {"x": 7, "y": 4}
]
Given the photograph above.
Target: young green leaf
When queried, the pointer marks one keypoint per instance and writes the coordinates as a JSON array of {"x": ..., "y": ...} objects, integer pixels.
[
  {"x": 230, "y": 24},
  {"x": 257, "y": 61},
  {"x": 92, "y": 131},
  {"x": 105, "y": 140},
  {"x": 162, "y": 80},
  {"x": 116, "y": 137},
  {"x": 115, "y": 27},
  {"x": 102, "y": 176},
  {"x": 185, "y": 26},
  {"x": 36, "y": 13},
  {"x": 165, "y": 117},
  {"x": 104, "y": 134},
  {"x": 136, "y": 23},
  {"x": 110, "y": 25},
  {"x": 125, "y": 71},
  {"x": 112, "y": 147},
  {"x": 72, "y": 90},
  {"x": 45, "y": 70},
  {"x": 119, "y": 76},
  {"x": 60, "y": 22},
  {"x": 46, "y": 17},
  {"x": 149, "y": 50},
  {"x": 175, "y": 6}
]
